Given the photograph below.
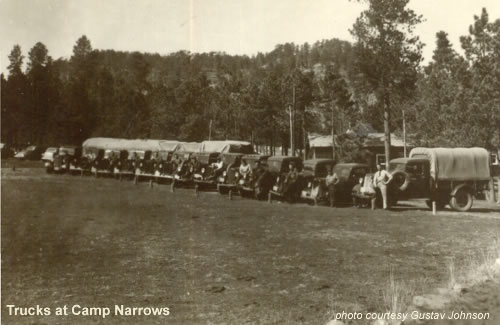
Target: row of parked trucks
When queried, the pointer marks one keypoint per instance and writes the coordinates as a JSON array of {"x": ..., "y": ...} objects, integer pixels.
[{"x": 443, "y": 175}]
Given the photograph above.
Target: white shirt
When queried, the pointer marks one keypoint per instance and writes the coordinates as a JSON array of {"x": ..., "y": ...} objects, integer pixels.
[
  {"x": 244, "y": 170},
  {"x": 381, "y": 177}
]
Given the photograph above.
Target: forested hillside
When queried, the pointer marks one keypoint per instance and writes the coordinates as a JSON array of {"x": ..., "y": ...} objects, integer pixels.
[{"x": 454, "y": 100}]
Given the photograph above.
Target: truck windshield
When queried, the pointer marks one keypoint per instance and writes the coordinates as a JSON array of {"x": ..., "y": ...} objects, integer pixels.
[
  {"x": 275, "y": 165},
  {"x": 358, "y": 173},
  {"x": 396, "y": 167},
  {"x": 415, "y": 169},
  {"x": 308, "y": 168},
  {"x": 69, "y": 151},
  {"x": 342, "y": 172}
]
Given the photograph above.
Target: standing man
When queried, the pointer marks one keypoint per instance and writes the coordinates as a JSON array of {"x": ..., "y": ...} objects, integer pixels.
[
  {"x": 380, "y": 181},
  {"x": 176, "y": 162},
  {"x": 290, "y": 183},
  {"x": 331, "y": 180}
]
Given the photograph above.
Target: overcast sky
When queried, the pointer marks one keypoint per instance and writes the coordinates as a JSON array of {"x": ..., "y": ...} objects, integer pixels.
[{"x": 232, "y": 26}]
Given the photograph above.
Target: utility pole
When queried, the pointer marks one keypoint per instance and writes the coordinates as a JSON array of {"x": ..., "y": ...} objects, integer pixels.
[
  {"x": 304, "y": 134},
  {"x": 291, "y": 126},
  {"x": 210, "y": 131},
  {"x": 333, "y": 135},
  {"x": 292, "y": 135},
  {"x": 404, "y": 134}
]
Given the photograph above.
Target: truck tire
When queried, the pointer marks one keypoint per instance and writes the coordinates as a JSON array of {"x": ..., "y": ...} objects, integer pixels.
[
  {"x": 401, "y": 180},
  {"x": 462, "y": 200}
]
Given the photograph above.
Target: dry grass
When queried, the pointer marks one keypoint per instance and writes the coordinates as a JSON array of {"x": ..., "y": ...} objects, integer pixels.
[
  {"x": 395, "y": 295},
  {"x": 96, "y": 241},
  {"x": 476, "y": 268}
]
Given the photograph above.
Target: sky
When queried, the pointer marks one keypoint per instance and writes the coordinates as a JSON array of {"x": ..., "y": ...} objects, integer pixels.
[{"x": 231, "y": 26}]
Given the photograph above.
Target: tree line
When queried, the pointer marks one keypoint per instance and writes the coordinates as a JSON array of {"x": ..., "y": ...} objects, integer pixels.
[{"x": 454, "y": 100}]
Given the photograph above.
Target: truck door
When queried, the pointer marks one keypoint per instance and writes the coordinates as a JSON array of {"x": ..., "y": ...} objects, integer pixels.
[{"x": 419, "y": 179}]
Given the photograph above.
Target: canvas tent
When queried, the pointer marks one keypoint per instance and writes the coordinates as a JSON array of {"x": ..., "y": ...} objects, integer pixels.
[{"x": 456, "y": 163}]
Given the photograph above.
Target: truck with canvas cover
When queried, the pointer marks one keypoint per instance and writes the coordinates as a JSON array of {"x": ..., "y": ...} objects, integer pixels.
[
  {"x": 163, "y": 160},
  {"x": 203, "y": 174},
  {"x": 227, "y": 179},
  {"x": 451, "y": 176},
  {"x": 94, "y": 152},
  {"x": 182, "y": 164}
]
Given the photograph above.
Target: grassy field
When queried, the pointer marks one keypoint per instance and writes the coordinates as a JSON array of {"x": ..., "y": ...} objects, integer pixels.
[{"x": 68, "y": 240}]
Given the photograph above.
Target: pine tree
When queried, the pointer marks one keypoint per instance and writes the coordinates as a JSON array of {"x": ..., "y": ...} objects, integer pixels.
[{"x": 388, "y": 54}]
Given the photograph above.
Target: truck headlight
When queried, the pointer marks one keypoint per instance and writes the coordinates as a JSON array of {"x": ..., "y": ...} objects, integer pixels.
[{"x": 203, "y": 170}]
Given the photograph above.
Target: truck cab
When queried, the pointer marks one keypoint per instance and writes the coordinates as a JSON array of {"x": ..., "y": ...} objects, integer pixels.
[{"x": 410, "y": 178}]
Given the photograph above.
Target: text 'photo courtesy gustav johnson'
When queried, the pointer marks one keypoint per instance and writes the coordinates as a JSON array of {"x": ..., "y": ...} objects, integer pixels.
[{"x": 325, "y": 162}]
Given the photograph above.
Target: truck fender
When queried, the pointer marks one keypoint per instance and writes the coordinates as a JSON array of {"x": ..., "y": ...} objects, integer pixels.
[{"x": 460, "y": 186}]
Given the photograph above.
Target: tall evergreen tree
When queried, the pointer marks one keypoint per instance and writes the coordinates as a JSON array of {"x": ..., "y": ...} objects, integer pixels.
[
  {"x": 388, "y": 54},
  {"x": 14, "y": 101},
  {"x": 438, "y": 91},
  {"x": 482, "y": 50}
]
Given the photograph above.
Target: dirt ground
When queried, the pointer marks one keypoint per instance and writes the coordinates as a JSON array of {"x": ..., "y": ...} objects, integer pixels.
[{"x": 68, "y": 240}]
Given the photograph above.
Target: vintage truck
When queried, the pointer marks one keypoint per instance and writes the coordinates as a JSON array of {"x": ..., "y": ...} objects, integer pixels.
[{"x": 451, "y": 176}]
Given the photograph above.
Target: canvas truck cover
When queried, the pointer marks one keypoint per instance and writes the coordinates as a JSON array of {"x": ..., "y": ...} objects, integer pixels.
[
  {"x": 90, "y": 146},
  {"x": 227, "y": 146},
  {"x": 167, "y": 145},
  {"x": 188, "y": 147},
  {"x": 456, "y": 163},
  {"x": 93, "y": 144}
]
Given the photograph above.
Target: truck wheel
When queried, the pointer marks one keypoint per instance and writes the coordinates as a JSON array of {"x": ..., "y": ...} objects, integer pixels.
[
  {"x": 401, "y": 180},
  {"x": 462, "y": 200}
]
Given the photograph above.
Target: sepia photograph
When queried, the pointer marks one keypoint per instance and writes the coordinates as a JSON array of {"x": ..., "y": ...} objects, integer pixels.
[{"x": 324, "y": 162}]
